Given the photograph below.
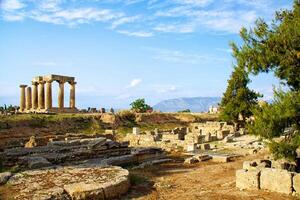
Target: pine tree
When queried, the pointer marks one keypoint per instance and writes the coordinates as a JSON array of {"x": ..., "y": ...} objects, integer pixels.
[
  {"x": 238, "y": 99},
  {"x": 276, "y": 48}
]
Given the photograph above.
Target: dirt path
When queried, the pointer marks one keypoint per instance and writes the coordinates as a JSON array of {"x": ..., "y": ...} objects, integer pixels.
[{"x": 206, "y": 180}]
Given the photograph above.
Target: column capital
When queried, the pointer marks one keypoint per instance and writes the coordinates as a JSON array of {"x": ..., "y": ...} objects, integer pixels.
[
  {"x": 41, "y": 82},
  {"x": 34, "y": 83},
  {"x": 48, "y": 81},
  {"x": 23, "y": 86},
  {"x": 61, "y": 82},
  {"x": 73, "y": 83}
]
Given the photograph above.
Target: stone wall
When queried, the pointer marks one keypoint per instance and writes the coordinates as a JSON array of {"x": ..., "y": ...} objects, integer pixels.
[
  {"x": 267, "y": 175},
  {"x": 181, "y": 138}
]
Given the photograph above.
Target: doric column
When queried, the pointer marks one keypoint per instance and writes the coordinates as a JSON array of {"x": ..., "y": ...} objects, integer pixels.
[
  {"x": 41, "y": 98},
  {"x": 61, "y": 95},
  {"x": 34, "y": 95},
  {"x": 48, "y": 98},
  {"x": 72, "y": 94},
  {"x": 28, "y": 98},
  {"x": 22, "y": 97}
]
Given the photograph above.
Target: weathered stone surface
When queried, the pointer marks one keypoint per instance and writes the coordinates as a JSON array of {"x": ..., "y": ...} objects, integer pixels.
[
  {"x": 31, "y": 143},
  {"x": 66, "y": 183},
  {"x": 4, "y": 177},
  {"x": 220, "y": 158},
  {"x": 284, "y": 164},
  {"x": 296, "y": 184},
  {"x": 249, "y": 165},
  {"x": 247, "y": 179},
  {"x": 202, "y": 157},
  {"x": 37, "y": 162},
  {"x": 81, "y": 190},
  {"x": 191, "y": 160},
  {"x": 205, "y": 146},
  {"x": 276, "y": 180},
  {"x": 191, "y": 147}
]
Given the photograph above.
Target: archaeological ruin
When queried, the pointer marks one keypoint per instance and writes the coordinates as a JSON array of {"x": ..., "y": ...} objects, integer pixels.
[{"x": 38, "y": 98}]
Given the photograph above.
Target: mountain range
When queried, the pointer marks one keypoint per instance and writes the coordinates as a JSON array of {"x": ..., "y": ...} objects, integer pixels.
[{"x": 195, "y": 104}]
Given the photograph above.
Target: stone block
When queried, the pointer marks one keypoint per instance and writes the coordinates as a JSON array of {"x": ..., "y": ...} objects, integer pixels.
[
  {"x": 191, "y": 160},
  {"x": 296, "y": 184},
  {"x": 205, "y": 146},
  {"x": 37, "y": 162},
  {"x": 276, "y": 180},
  {"x": 4, "y": 176},
  {"x": 220, "y": 158},
  {"x": 78, "y": 191},
  {"x": 283, "y": 164},
  {"x": 247, "y": 179},
  {"x": 249, "y": 165},
  {"x": 136, "y": 130},
  {"x": 115, "y": 188},
  {"x": 191, "y": 147},
  {"x": 202, "y": 157}
]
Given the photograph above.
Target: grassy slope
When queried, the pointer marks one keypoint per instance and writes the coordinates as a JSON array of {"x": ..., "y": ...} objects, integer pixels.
[{"x": 95, "y": 123}]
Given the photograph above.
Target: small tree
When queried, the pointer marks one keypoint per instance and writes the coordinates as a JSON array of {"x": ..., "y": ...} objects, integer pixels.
[
  {"x": 281, "y": 118},
  {"x": 238, "y": 99},
  {"x": 140, "y": 106}
]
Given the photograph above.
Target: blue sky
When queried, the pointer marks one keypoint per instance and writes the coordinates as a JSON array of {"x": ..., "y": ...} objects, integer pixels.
[{"x": 120, "y": 50}]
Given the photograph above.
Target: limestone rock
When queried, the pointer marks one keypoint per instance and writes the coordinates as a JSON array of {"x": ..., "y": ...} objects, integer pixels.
[
  {"x": 220, "y": 158},
  {"x": 66, "y": 183},
  {"x": 37, "y": 162},
  {"x": 247, "y": 179},
  {"x": 191, "y": 160},
  {"x": 31, "y": 143},
  {"x": 4, "y": 177},
  {"x": 81, "y": 190},
  {"x": 202, "y": 157},
  {"x": 276, "y": 180},
  {"x": 296, "y": 184}
]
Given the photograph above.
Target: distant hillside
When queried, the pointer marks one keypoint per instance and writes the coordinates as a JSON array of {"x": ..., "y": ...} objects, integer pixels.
[{"x": 195, "y": 104}]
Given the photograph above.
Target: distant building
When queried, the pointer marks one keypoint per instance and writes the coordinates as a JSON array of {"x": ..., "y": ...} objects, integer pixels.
[{"x": 213, "y": 109}]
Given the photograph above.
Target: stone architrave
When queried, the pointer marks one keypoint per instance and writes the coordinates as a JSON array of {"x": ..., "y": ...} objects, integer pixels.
[
  {"x": 22, "y": 98},
  {"x": 72, "y": 94},
  {"x": 61, "y": 95},
  {"x": 41, "y": 95},
  {"x": 28, "y": 98},
  {"x": 34, "y": 95},
  {"x": 48, "y": 98}
]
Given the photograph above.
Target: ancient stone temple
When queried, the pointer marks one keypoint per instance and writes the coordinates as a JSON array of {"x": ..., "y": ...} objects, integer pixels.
[{"x": 38, "y": 98}]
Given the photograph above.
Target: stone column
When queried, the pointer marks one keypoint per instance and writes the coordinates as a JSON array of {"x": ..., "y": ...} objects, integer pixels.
[
  {"x": 48, "y": 98},
  {"x": 34, "y": 95},
  {"x": 28, "y": 98},
  {"x": 22, "y": 97},
  {"x": 41, "y": 98},
  {"x": 61, "y": 95},
  {"x": 72, "y": 95}
]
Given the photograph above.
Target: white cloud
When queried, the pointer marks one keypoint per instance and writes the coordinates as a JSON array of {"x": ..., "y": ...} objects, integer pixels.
[
  {"x": 15, "y": 17},
  {"x": 134, "y": 82},
  {"x": 136, "y": 33},
  {"x": 10, "y": 5},
  {"x": 200, "y": 3},
  {"x": 123, "y": 20},
  {"x": 175, "y": 28},
  {"x": 163, "y": 16},
  {"x": 50, "y": 5},
  {"x": 73, "y": 17},
  {"x": 177, "y": 56}
]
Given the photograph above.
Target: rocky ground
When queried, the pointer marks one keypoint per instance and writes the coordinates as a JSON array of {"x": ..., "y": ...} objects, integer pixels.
[{"x": 204, "y": 180}]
